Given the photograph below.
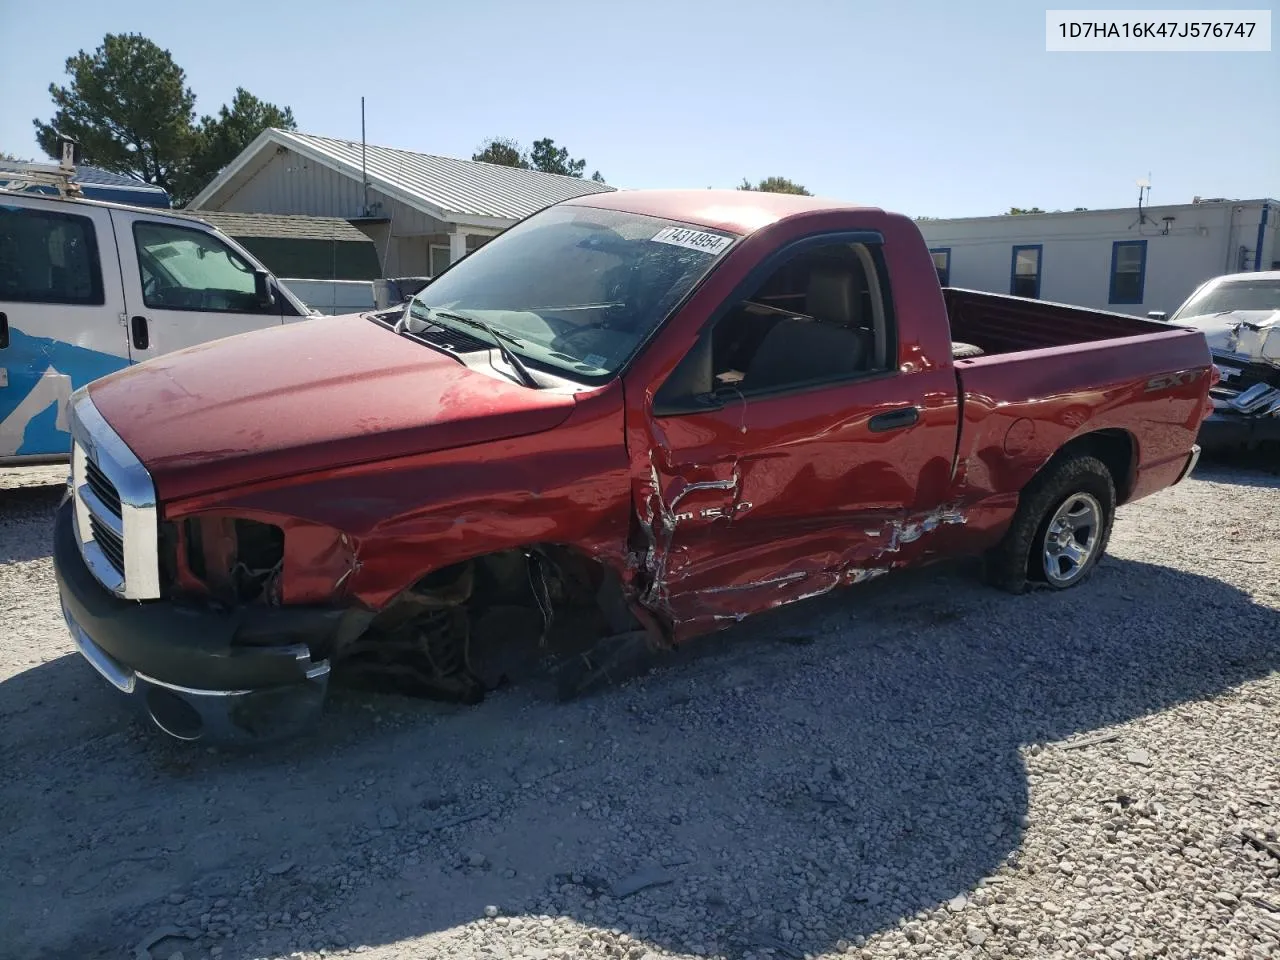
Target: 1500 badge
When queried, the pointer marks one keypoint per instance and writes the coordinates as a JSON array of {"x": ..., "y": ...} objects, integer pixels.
[{"x": 712, "y": 513}]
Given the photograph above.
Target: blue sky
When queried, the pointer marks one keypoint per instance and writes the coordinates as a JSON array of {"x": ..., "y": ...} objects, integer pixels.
[{"x": 930, "y": 108}]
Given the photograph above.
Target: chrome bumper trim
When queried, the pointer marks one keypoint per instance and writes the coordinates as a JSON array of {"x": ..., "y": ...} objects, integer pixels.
[
  {"x": 117, "y": 674},
  {"x": 1190, "y": 465}
]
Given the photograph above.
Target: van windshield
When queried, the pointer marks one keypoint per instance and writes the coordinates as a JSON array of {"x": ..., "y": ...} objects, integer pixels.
[{"x": 578, "y": 288}]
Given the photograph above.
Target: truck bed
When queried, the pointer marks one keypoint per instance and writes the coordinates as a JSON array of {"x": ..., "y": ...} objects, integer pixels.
[
  {"x": 999, "y": 323},
  {"x": 1050, "y": 369}
]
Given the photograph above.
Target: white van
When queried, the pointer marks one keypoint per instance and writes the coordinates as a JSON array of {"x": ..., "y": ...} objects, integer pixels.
[{"x": 87, "y": 288}]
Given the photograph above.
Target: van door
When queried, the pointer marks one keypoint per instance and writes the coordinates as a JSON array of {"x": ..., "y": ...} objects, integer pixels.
[
  {"x": 185, "y": 285},
  {"x": 61, "y": 318}
]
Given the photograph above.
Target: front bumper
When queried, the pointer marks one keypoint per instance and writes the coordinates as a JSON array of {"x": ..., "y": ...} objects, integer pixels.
[{"x": 200, "y": 673}]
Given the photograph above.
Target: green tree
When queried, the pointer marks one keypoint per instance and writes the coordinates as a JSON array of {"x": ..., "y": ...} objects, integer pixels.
[
  {"x": 549, "y": 158},
  {"x": 220, "y": 139},
  {"x": 544, "y": 156},
  {"x": 775, "y": 185},
  {"x": 129, "y": 106},
  {"x": 502, "y": 151},
  {"x": 1018, "y": 211}
]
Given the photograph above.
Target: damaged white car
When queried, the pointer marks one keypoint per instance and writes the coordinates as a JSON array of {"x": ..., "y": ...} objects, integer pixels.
[{"x": 1239, "y": 315}]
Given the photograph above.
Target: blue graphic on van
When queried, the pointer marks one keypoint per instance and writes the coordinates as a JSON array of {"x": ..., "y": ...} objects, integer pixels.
[{"x": 43, "y": 373}]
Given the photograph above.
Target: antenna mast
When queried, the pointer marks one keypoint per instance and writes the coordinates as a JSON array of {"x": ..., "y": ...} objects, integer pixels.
[
  {"x": 1144, "y": 192},
  {"x": 364, "y": 162}
]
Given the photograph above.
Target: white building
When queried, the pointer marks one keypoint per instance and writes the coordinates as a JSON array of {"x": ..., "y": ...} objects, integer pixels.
[
  {"x": 1107, "y": 259},
  {"x": 422, "y": 211}
]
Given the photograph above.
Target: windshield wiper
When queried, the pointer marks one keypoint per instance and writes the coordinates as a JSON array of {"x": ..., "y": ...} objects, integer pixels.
[
  {"x": 497, "y": 336},
  {"x": 507, "y": 353}
]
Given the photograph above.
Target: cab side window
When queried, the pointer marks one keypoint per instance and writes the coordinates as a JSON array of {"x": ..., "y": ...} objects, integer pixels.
[
  {"x": 186, "y": 269},
  {"x": 823, "y": 316},
  {"x": 48, "y": 257}
]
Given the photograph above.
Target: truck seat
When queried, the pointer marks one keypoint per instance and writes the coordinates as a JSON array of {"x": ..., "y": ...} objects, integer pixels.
[{"x": 798, "y": 349}]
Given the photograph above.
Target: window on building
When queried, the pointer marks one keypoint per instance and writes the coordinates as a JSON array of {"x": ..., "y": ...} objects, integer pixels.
[
  {"x": 439, "y": 260},
  {"x": 942, "y": 263},
  {"x": 48, "y": 257},
  {"x": 1024, "y": 271},
  {"x": 186, "y": 269},
  {"x": 1128, "y": 271}
]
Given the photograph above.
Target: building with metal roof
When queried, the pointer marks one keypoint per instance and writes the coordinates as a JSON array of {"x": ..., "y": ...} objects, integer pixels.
[
  {"x": 422, "y": 211},
  {"x": 95, "y": 184}
]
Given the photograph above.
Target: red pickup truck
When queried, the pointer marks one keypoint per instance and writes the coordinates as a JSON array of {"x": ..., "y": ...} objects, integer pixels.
[{"x": 631, "y": 418}]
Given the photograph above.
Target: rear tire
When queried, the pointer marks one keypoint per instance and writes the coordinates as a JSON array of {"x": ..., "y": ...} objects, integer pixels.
[
  {"x": 961, "y": 350},
  {"x": 1060, "y": 530}
]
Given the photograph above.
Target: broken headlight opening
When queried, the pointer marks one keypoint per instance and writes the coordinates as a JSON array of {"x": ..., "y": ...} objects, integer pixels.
[{"x": 229, "y": 560}]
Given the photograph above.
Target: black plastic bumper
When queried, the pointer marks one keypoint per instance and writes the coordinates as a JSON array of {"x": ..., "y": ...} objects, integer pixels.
[
  {"x": 200, "y": 673},
  {"x": 1223, "y": 430}
]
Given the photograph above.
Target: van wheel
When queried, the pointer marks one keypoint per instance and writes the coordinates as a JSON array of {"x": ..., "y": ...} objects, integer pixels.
[{"x": 1060, "y": 530}]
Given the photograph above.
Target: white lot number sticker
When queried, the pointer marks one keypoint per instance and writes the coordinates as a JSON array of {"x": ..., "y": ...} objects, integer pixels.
[{"x": 711, "y": 243}]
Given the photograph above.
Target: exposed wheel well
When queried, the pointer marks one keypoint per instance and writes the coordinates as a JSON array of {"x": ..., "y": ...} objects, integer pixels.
[
  {"x": 541, "y": 573},
  {"x": 1116, "y": 448},
  {"x": 470, "y": 627}
]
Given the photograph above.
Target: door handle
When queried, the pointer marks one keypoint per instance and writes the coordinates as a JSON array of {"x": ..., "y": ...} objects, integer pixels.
[
  {"x": 4, "y": 330},
  {"x": 141, "y": 336},
  {"x": 894, "y": 419}
]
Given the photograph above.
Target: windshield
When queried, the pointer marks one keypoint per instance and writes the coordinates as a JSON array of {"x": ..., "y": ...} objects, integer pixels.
[
  {"x": 1232, "y": 295},
  {"x": 578, "y": 288}
]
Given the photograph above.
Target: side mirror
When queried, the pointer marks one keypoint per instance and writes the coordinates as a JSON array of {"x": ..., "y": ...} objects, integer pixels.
[
  {"x": 262, "y": 289},
  {"x": 1157, "y": 315}
]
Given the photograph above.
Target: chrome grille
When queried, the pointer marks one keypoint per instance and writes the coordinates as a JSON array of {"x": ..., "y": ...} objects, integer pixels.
[
  {"x": 115, "y": 507},
  {"x": 112, "y": 545},
  {"x": 100, "y": 485}
]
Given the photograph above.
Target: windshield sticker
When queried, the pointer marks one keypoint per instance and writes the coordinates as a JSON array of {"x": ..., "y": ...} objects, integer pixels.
[
  {"x": 595, "y": 360},
  {"x": 711, "y": 243}
]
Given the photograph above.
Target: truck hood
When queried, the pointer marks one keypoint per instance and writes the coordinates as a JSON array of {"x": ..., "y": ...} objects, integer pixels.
[
  {"x": 305, "y": 397},
  {"x": 1247, "y": 335}
]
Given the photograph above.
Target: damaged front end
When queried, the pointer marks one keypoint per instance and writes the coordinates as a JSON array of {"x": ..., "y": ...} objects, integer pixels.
[
  {"x": 546, "y": 612},
  {"x": 253, "y": 618},
  {"x": 204, "y": 666},
  {"x": 1246, "y": 398}
]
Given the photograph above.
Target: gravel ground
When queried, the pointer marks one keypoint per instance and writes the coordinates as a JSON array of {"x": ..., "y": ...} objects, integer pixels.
[{"x": 919, "y": 767}]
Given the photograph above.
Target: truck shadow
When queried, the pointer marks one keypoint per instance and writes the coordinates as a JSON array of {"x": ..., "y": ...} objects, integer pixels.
[
  {"x": 1254, "y": 468},
  {"x": 785, "y": 795}
]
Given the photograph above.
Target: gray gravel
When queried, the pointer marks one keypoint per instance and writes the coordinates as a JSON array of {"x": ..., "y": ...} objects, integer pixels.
[{"x": 920, "y": 767}]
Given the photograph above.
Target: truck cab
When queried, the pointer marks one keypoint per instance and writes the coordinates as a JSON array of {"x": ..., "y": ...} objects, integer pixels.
[{"x": 88, "y": 288}]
